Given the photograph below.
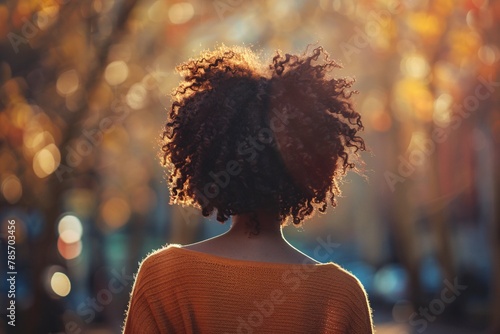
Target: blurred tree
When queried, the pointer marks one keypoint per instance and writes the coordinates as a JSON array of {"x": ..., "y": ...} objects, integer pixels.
[{"x": 68, "y": 42}]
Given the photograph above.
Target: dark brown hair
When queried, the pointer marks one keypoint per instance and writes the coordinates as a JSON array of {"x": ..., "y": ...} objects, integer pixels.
[{"x": 241, "y": 137}]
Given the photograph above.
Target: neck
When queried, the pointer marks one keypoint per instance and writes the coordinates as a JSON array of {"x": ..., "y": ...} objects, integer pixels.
[{"x": 269, "y": 226}]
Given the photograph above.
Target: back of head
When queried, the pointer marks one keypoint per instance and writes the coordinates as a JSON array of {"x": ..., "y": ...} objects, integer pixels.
[{"x": 242, "y": 137}]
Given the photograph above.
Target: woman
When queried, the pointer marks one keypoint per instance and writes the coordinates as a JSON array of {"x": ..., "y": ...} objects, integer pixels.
[{"x": 265, "y": 146}]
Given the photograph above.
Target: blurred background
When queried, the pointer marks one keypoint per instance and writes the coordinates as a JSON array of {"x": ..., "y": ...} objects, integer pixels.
[{"x": 84, "y": 88}]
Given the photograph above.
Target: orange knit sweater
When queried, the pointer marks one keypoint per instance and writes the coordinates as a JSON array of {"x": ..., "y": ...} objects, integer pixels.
[{"x": 183, "y": 291}]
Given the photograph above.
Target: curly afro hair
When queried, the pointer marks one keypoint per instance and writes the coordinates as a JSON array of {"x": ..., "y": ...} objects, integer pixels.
[{"x": 242, "y": 137}]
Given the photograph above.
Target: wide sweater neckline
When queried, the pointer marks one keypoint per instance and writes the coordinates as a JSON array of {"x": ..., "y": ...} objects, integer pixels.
[{"x": 240, "y": 262}]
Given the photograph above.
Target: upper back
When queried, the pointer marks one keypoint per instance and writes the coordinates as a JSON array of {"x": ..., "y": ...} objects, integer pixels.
[{"x": 190, "y": 291}]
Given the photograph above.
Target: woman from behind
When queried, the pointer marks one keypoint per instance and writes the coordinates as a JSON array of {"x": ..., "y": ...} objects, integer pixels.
[{"x": 263, "y": 146}]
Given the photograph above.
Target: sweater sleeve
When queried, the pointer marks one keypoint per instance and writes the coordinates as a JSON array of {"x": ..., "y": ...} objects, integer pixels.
[
  {"x": 362, "y": 316},
  {"x": 348, "y": 307},
  {"x": 140, "y": 317}
]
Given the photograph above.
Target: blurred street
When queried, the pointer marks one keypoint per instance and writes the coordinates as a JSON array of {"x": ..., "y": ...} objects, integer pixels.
[{"x": 84, "y": 94}]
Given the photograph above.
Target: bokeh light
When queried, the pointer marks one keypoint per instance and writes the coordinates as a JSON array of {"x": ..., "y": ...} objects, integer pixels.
[
  {"x": 12, "y": 189},
  {"x": 158, "y": 11},
  {"x": 488, "y": 54},
  {"x": 70, "y": 231},
  {"x": 68, "y": 82},
  {"x": 390, "y": 282},
  {"x": 181, "y": 12},
  {"x": 70, "y": 223},
  {"x": 68, "y": 250},
  {"x": 415, "y": 66},
  {"x": 115, "y": 212},
  {"x": 136, "y": 96},
  {"x": 60, "y": 284},
  {"x": 35, "y": 140},
  {"x": 46, "y": 17},
  {"x": 116, "y": 72},
  {"x": 46, "y": 161},
  {"x": 442, "y": 110}
]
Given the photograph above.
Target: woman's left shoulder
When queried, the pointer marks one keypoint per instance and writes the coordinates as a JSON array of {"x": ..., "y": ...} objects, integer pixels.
[{"x": 158, "y": 259}]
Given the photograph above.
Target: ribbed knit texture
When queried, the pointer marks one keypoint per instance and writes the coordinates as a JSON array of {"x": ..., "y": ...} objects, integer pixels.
[{"x": 183, "y": 291}]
